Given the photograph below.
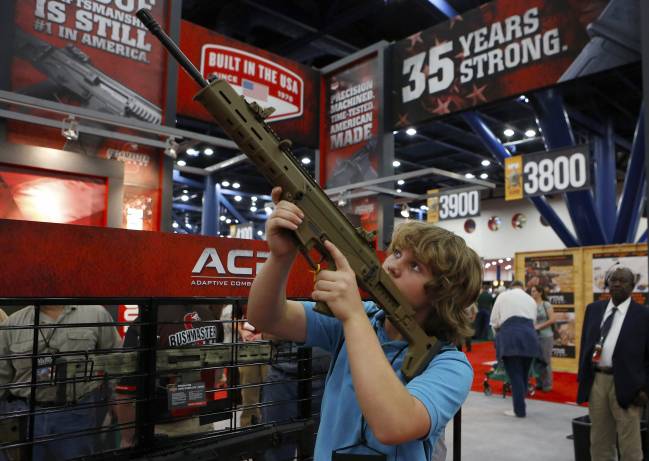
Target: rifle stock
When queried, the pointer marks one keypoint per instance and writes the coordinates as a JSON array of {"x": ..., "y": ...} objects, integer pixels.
[{"x": 244, "y": 123}]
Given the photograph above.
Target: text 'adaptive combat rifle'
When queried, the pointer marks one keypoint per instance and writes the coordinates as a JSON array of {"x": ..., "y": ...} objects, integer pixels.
[{"x": 244, "y": 123}]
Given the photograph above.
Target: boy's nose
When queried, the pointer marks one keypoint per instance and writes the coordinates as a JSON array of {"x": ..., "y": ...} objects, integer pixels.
[{"x": 392, "y": 269}]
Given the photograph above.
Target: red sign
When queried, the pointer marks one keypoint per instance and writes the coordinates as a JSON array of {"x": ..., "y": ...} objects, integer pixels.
[
  {"x": 350, "y": 141},
  {"x": 270, "y": 80},
  {"x": 256, "y": 78},
  {"x": 96, "y": 55},
  {"x": 58, "y": 260}
]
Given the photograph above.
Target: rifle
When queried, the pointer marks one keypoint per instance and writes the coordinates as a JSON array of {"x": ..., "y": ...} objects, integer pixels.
[
  {"x": 244, "y": 123},
  {"x": 69, "y": 70}
]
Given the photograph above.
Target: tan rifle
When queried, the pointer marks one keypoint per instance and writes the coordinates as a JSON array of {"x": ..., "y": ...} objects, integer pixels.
[{"x": 244, "y": 123}]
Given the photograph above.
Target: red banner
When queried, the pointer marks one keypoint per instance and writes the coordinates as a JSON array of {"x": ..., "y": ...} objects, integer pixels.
[
  {"x": 350, "y": 139},
  {"x": 506, "y": 48},
  {"x": 58, "y": 260},
  {"x": 97, "y": 55},
  {"x": 260, "y": 76}
]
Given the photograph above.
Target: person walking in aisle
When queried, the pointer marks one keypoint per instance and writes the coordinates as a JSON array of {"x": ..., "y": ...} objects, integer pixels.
[{"x": 513, "y": 318}]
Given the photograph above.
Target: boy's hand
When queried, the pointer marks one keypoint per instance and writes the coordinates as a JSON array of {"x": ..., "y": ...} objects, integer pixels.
[
  {"x": 338, "y": 288},
  {"x": 285, "y": 217}
]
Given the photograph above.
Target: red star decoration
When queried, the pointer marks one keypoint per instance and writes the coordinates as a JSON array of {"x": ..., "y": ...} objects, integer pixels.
[
  {"x": 403, "y": 120},
  {"x": 414, "y": 39},
  {"x": 454, "y": 20},
  {"x": 477, "y": 94},
  {"x": 442, "y": 107}
]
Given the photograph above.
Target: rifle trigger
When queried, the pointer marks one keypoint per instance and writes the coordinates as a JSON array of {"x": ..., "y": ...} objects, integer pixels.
[{"x": 316, "y": 272}]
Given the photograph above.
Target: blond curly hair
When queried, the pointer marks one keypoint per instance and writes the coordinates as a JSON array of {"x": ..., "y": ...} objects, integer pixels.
[{"x": 457, "y": 276}]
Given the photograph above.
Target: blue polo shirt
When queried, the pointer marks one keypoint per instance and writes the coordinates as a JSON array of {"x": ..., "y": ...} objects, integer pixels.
[{"x": 442, "y": 387}]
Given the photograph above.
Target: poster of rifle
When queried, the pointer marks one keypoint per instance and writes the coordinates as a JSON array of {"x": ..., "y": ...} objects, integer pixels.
[
  {"x": 605, "y": 263},
  {"x": 505, "y": 48},
  {"x": 349, "y": 143},
  {"x": 555, "y": 274},
  {"x": 98, "y": 56}
]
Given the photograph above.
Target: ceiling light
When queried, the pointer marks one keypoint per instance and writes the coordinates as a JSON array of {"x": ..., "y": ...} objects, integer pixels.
[
  {"x": 222, "y": 218},
  {"x": 306, "y": 160},
  {"x": 188, "y": 226},
  {"x": 236, "y": 221},
  {"x": 485, "y": 162},
  {"x": 228, "y": 221},
  {"x": 398, "y": 191},
  {"x": 500, "y": 261},
  {"x": 411, "y": 132},
  {"x": 253, "y": 208},
  {"x": 208, "y": 151},
  {"x": 469, "y": 175},
  {"x": 484, "y": 176},
  {"x": 260, "y": 233},
  {"x": 185, "y": 191},
  {"x": 184, "y": 197},
  {"x": 396, "y": 163},
  {"x": 401, "y": 182},
  {"x": 530, "y": 133},
  {"x": 405, "y": 211},
  {"x": 175, "y": 225},
  {"x": 236, "y": 185},
  {"x": 342, "y": 201},
  {"x": 508, "y": 132},
  {"x": 395, "y": 132},
  {"x": 423, "y": 207},
  {"x": 237, "y": 198},
  {"x": 181, "y": 163},
  {"x": 508, "y": 259},
  {"x": 507, "y": 267},
  {"x": 192, "y": 152},
  {"x": 225, "y": 183},
  {"x": 268, "y": 210},
  {"x": 487, "y": 266}
]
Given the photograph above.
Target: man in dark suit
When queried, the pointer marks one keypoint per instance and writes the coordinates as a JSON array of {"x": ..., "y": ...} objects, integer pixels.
[{"x": 614, "y": 369}]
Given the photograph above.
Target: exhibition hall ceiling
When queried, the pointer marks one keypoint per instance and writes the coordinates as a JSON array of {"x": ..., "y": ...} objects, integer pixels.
[{"x": 319, "y": 33}]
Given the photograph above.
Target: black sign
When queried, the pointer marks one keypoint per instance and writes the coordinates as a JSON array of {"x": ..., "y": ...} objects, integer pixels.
[
  {"x": 556, "y": 171},
  {"x": 453, "y": 204}
]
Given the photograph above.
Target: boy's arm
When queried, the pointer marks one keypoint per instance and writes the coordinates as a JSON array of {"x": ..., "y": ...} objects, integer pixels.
[
  {"x": 268, "y": 309},
  {"x": 393, "y": 414}
]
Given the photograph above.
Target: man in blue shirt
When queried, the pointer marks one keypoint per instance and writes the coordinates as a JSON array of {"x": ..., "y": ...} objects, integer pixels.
[{"x": 367, "y": 401}]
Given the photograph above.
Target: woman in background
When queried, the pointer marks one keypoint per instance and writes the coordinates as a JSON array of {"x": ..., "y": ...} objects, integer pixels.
[{"x": 545, "y": 318}]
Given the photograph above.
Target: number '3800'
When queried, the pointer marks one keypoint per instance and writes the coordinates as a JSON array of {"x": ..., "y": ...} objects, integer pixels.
[{"x": 555, "y": 174}]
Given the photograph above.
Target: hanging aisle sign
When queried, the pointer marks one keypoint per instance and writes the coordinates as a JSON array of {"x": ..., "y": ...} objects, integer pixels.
[
  {"x": 544, "y": 173},
  {"x": 453, "y": 204},
  {"x": 505, "y": 48}
]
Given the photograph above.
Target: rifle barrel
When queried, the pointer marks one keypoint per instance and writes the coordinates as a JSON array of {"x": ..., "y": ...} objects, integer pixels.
[{"x": 145, "y": 16}]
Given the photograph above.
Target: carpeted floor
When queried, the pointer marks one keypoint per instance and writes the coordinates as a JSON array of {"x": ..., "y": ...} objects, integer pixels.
[{"x": 483, "y": 357}]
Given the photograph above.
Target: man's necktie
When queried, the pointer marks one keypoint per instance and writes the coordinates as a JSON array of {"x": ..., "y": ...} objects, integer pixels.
[{"x": 606, "y": 326}]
